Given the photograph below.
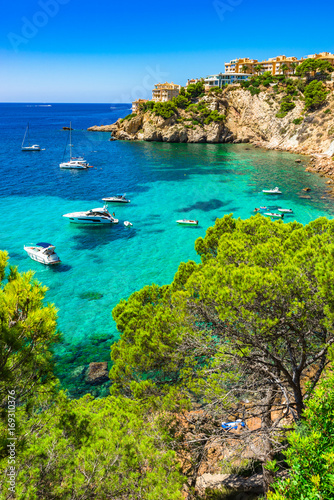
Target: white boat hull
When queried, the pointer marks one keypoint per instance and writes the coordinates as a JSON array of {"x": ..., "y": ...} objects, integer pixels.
[
  {"x": 87, "y": 220},
  {"x": 188, "y": 222},
  {"x": 30, "y": 148},
  {"x": 115, "y": 200},
  {"x": 279, "y": 216},
  {"x": 74, "y": 165},
  {"x": 38, "y": 256}
]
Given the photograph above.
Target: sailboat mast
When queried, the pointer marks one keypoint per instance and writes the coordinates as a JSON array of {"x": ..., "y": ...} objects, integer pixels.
[
  {"x": 24, "y": 138},
  {"x": 70, "y": 140}
]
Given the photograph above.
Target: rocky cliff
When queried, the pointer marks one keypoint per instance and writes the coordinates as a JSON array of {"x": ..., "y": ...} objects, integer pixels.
[{"x": 247, "y": 118}]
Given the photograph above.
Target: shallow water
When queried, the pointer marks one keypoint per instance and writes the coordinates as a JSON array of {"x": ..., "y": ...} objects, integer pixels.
[{"x": 165, "y": 182}]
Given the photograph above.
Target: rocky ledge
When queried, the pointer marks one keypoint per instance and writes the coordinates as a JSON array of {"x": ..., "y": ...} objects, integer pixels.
[{"x": 247, "y": 118}]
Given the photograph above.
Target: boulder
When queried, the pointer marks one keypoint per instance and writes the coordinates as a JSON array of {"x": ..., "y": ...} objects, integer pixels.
[
  {"x": 97, "y": 373},
  {"x": 253, "y": 484}
]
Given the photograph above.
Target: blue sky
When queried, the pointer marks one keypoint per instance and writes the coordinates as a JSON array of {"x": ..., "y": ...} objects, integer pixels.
[{"x": 114, "y": 51}]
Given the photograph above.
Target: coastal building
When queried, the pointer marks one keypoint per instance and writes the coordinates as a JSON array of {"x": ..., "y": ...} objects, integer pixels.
[
  {"x": 278, "y": 65},
  {"x": 244, "y": 65},
  {"x": 135, "y": 104},
  {"x": 192, "y": 81},
  {"x": 325, "y": 56},
  {"x": 224, "y": 79},
  {"x": 163, "y": 92}
]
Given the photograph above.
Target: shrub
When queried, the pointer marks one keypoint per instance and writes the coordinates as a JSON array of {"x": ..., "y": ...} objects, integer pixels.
[
  {"x": 165, "y": 109},
  {"x": 287, "y": 106},
  {"x": 315, "y": 95},
  {"x": 145, "y": 106},
  {"x": 297, "y": 121},
  {"x": 281, "y": 114},
  {"x": 214, "y": 116},
  {"x": 327, "y": 111},
  {"x": 128, "y": 117},
  {"x": 254, "y": 91},
  {"x": 195, "y": 90},
  {"x": 181, "y": 101}
]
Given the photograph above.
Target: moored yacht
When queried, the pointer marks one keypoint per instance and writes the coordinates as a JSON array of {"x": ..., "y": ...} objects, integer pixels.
[
  {"x": 43, "y": 253},
  {"x": 272, "y": 191},
  {"x": 34, "y": 147},
  {"x": 74, "y": 163},
  {"x": 93, "y": 216},
  {"x": 118, "y": 198},
  {"x": 188, "y": 222}
]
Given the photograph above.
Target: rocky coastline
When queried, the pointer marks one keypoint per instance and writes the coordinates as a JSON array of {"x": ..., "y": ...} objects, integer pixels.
[{"x": 248, "y": 119}]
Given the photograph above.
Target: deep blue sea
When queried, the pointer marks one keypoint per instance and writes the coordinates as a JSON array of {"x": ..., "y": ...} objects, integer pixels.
[{"x": 165, "y": 182}]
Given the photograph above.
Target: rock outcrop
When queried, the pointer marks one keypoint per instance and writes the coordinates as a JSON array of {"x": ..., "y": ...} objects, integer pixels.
[
  {"x": 97, "y": 373},
  {"x": 249, "y": 118}
]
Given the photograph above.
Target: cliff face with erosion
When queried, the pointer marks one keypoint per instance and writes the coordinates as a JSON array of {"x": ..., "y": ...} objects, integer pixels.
[{"x": 248, "y": 118}]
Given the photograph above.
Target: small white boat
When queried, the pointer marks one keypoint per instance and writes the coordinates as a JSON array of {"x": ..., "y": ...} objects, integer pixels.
[
  {"x": 93, "y": 216},
  {"x": 188, "y": 222},
  {"x": 261, "y": 209},
  {"x": 285, "y": 210},
  {"x": 43, "y": 253},
  {"x": 127, "y": 223},
  {"x": 272, "y": 191},
  {"x": 118, "y": 198},
  {"x": 74, "y": 163},
  {"x": 273, "y": 214},
  {"x": 34, "y": 147}
]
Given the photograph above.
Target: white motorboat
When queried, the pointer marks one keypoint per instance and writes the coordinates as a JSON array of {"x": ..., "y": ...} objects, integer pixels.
[
  {"x": 188, "y": 222},
  {"x": 43, "y": 253},
  {"x": 274, "y": 214},
  {"x": 118, "y": 198},
  {"x": 74, "y": 163},
  {"x": 34, "y": 147},
  {"x": 272, "y": 191},
  {"x": 93, "y": 216},
  {"x": 285, "y": 210},
  {"x": 127, "y": 223},
  {"x": 79, "y": 165}
]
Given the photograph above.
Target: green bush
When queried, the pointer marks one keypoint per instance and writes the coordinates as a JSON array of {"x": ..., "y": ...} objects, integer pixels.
[
  {"x": 281, "y": 114},
  {"x": 327, "y": 111},
  {"x": 297, "y": 121},
  {"x": 128, "y": 117},
  {"x": 315, "y": 95},
  {"x": 146, "y": 106},
  {"x": 195, "y": 90},
  {"x": 287, "y": 106},
  {"x": 165, "y": 109},
  {"x": 214, "y": 116},
  {"x": 254, "y": 91},
  {"x": 181, "y": 101},
  {"x": 311, "y": 451}
]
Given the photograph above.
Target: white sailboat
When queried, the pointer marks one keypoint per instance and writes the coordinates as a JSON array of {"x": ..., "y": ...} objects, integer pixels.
[
  {"x": 34, "y": 147},
  {"x": 74, "y": 163}
]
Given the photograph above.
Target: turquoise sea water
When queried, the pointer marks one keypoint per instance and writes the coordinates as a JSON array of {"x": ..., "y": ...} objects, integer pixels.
[{"x": 165, "y": 182}]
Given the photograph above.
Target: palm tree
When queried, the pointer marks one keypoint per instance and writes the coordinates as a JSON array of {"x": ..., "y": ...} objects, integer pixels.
[
  {"x": 244, "y": 68},
  {"x": 284, "y": 67},
  {"x": 293, "y": 66},
  {"x": 258, "y": 68}
]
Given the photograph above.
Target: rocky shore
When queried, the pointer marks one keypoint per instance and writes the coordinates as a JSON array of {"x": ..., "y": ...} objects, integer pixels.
[{"x": 248, "y": 118}]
